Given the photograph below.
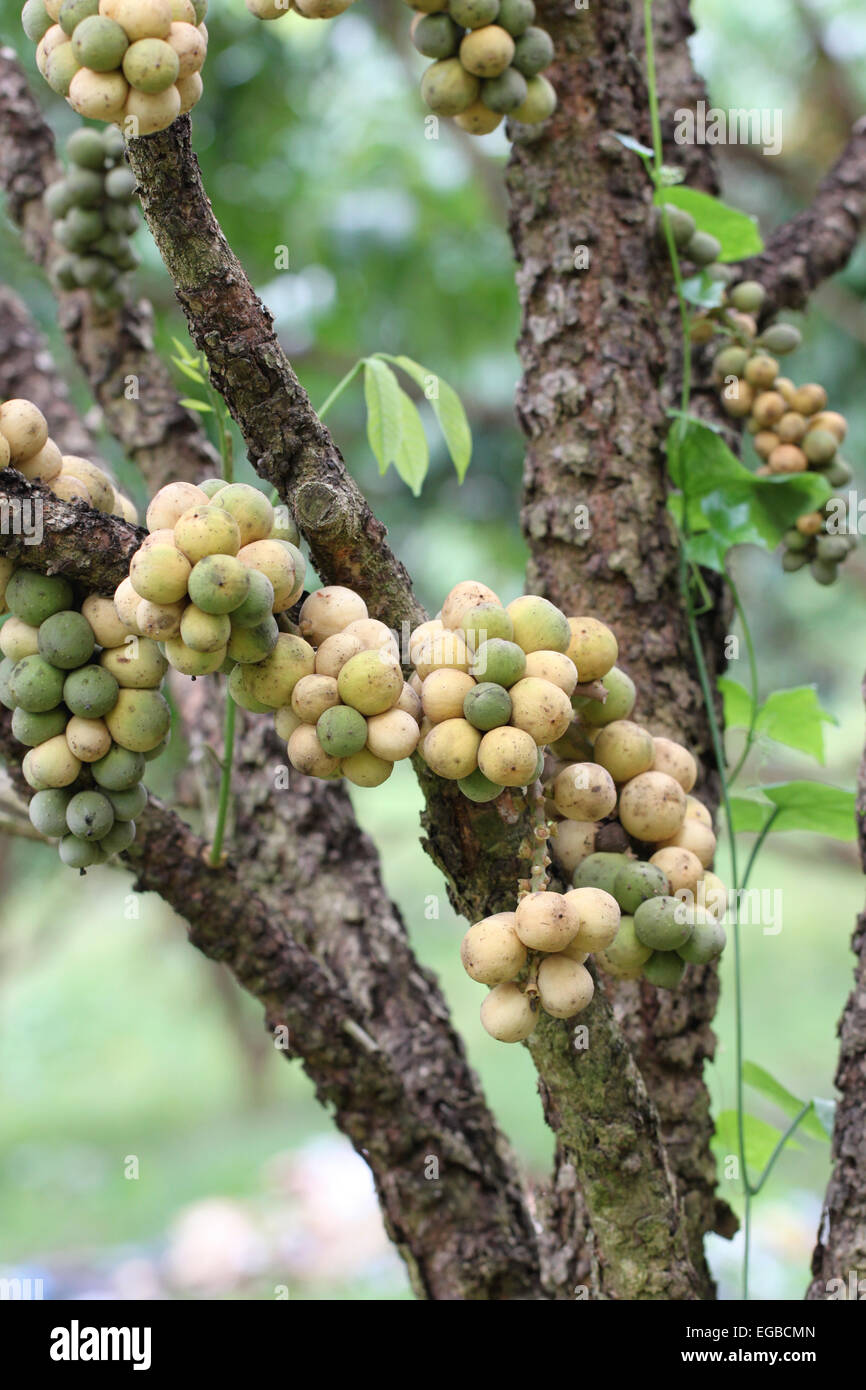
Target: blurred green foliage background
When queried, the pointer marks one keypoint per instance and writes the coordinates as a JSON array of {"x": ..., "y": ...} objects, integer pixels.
[{"x": 118, "y": 1043}]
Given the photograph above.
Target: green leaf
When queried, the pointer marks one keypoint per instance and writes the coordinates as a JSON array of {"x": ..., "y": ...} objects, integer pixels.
[
  {"x": 761, "y": 1080},
  {"x": 728, "y": 505},
  {"x": 448, "y": 410},
  {"x": 760, "y": 1138},
  {"x": 413, "y": 457},
  {"x": 796, "y": 719},
  {"x": 384, "y": 411},
  {"x": 635, "y": 145},
  {"x": 184, "y": 353},
  {"x": 825, "y": 1113},
  {"x": 201, "y": 406},
  {"x": 738, "y": 704},
  {"x": 737, "y": 232},
  {"x": 703, "y": 291},
  {"x": 812, "y": 806},
  {"x": 188, "y": 371}
]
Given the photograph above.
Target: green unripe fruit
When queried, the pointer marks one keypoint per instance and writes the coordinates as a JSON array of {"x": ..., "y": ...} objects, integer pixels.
[
  {"x": 342, "y": 731},
  {"x": 120, "y": 184},
  {"x": 538, "y": 624},
  {"x": 35, "y": 20},
  {"x": 251, "y": 644},
  {"x": 113, "y": 144},
  {"x": 33, "y": 729},
  {"x": 664, "y": 969},
  {"x": 435, "y": 35},
  {"x": 731, "y": 361},
  {"x": 533, "y": 52},
  {"x": 748, "y": 296},
  {"x": 79, "y": 854},
  {"x": 33, "y": 597},
  {"x": 85, "y": 185},
  {"x": 241, "y": 696},
  {"x": 284, "y": 527},
  {"x": 119, "y": 770},
  {"x": 794, "y": 560},
  {"x": 128, "y": 805},
  {"x": 120, "y": 837},
  {"x": 36, "y": 685},
  {"x": 682, "y": 225},
  {"x": 47, "y": 812},
  {"x": 839, "y": 473},
  {"x": 483, "y": 623},
  {"x": 89, "y": 815},
  {"x": 499, "y": 662},
  {"x": 819, "y": 446},
  {"x": 833, "y": 548},
  {"x": 71, "y": 14},
  {"x": 99, "y": 43},
  {"x": 61, "y": 67},
  {"x": 718, "y": 271},
  {"x": 58, "y": 198},
  {"x": 539, "y": 103},
  {"x": 600, "y": 870},
  {"x": 371, "y": 682},
  {"x": 81, "y": 228},
  {"x": 150, "y": 65},
  {"x": 250, "y": 508},
  {"x": 636, "y": 882},
  {"x": 258, "y": 605},
  {"x": 200, "y": 7},
  {"x": 7, "y": 666},
  {"x": 620, "y": 702},
  {"x": 487, "y": 706},
  {"x": 505, "y": 92},
  {"x": 208, "y": 632},
  {"x": 272, "y": 681},
  {"x": 657, "y": 926},
  {"x": 447, "y": 88},
  {"x": 516, "y": 16},
  {"x": 779, "y": 339},
  {"x": 120, "y": 217},
  {"x": 139, "y": 720},
  {"x": 477, "y": 787},
  {"x": 66, "y": 640},
  {"x": 702, "y": 248},
  {"x": 706, "y": 943},
  {"x": 795, "y": 540},
  {"x": 90, "y": 693},
  {"x": 625, "y": 954},
  {"x": 219, "y": 584},
  {"x": 211, "y": 486},
  {"x": 824, "y": 571},
  {"x": 95, "y": 272},
  {"x": 472, "y": 14}
]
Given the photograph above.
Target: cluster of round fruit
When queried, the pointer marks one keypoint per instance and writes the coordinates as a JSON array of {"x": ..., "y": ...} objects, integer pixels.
[
  {"x": 26, "y": 446},
  {"x": 87, "y": 705},
  {"x": 496, "y": 686},
  {"x": 134, "y": 63},
  {"x": 489, "y": 60},
  {"x": 702, "y": 249},
  {"x": 310, "y": 9},
  {"x": 94, "y": 213},
  {"x": 216, "y": 569}
]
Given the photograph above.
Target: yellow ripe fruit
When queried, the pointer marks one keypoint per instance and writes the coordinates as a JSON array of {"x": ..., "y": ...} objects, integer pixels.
[
  {"x": 251, "y": 509},
  {"x": 711, "y": 897},
  {"x": 507, "y": 1014},
  {"x": 393, "y": 735},
  {"x": 468, "y": 594},
  {"x": 205, "y": 531},
  {"x": 286, "y": 721},
  {"x": 681, "y": 868},
  {"x": 542, "y": 709},
  {"x": 487, "y": 52},
  {"x": 159, "y": 620},
  {"x": 142, "y": 19},
  {"x": 190, "y": 662},
  {"x": 584, "y": 792},
  {"x": 189, "y": 46},
  {"x": 809, "y": 399},
  {"x": 269, "y": 9},
  {"x": 364, "y": 769},
  {"x": 422, "y": 634},
  {"x": 676, "y": 761},
  {"x": 599, "y": 917},
  {"x": 451, "y": 749},
  {"x": 329, "y": 611},
  {"x": 125, "y": 509},
  {"x": 507, "y": 756},
  {"x": 189, "y": 89},
  {"x": 334, "y": 652},
  {"x": 555, "y": 667},
  {"x": 44, "y": 466},
  {"x": 272, "y": 681},
  {"x": 97, "y": 482},
  {"x": 593, "y": 648},
  {"x": 371, "y": 682},
  {"x": 137, "y": 664},
  {"x": 160, "y": 573},
  {"x": 546, "y": 921},
  {"x": 790, "y": 429},
  {"x": 70, "y": 489},
  {"x": 696, "y": 810},
  {"x": 538, "y": 624},
  {"x": 693, "y": 835},
  {"x": 24, "y": 428},
  {"x": 737, "y": 398},
  {"x": 761, "y": 371},
  {"x": 765, "y": 441},
  {"x": 51, "y": 764},
  {"x": 87, "y": 739},
  {"x": 100, "y": 96},
  {"x": 307, "y": 755},
  {"x": 144, "y": 113},
  {"x": 652, "y": 806},
  {"x": 447, "y": 650},
  {"x": 126, "y": 602},
  {"x": 18, "y": 639},
  {"x": 478, "y": 119},
  {"x": 565, "y": 986},
  {"x": 491, "y": 951},
  {"x": 170, "y": 504},
  {"x": 273, "y": 560},
  {"x": 624, "y": 748},
  {"x": 7, "y": 569},
  {"x": 410, "y": 702},
  {"x": 787, "y": 458},
  {"x": 373, "y": 635},
  {"x": 313, "y": 695},
  {"x": 443, "y": 693},
  {"x": 573, "y": 841},
  {"x": 203, "y": 632},
  {"x": 831, "y": 420}
]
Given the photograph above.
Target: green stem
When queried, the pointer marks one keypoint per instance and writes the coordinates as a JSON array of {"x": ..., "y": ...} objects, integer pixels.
[
  {"x": 798, "y": 1118},
  {"x": 340, "y": 388},
  {"x": 225, "y": 782},
  {"x": 758, "y": 845},
  {"x": 753, "y": 678}
]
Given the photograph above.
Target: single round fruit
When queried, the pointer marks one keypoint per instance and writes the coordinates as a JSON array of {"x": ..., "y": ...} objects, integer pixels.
[
  {"x": 435, "y": 35},
  {"x": 312, "y": 696},
  {"x": 393, "y": 735},
  {"x": 476, "y": 787},
  {"x": 250, "y": 508},
  {"x": 546, "y": 921},
  {"x": 515, "y": 16},
  {"x": 364, "y": 769},
  {"x": 491, "y": 950},
  {"x": 139, "y": 720},
  {"x": 488, "y": 51},
  {"x": 661, "y": 924},
  {"x": 119, "y": 838},
  {"x": 33, "y": 729},
  {"x": 507, "y": 1014},
  {"x": 120, "y": 769},
  {"x": 141, "y": 19},
  {"x": 664, "y": 969},
  {"x": 158, "y": 621},
  {"x": 18, "y": 639},
  {"x": 573, "y": 841},
  {"x": 486, "y": 706},
  {"x": 484, "y": 621},
  {"x": 473, "y": 14},
  {"x": 170, "y": 504},
  {"x": 554, "y": 667},
  {"x": 208, "y": 632},
  {"x": 626, "y": 955},
  {"x": 508, "y": 757},
  {"x": 342, "y": 731},
  {"x": 36, "y": 685},
  {"x": 307, "y": 755},
  {"x": 50, "y": 765},
  {"x": 160, "y": 573},
  {"x": 218, "y": 584},
  {"x": 499, "y": 662},
  {"x": 79, "y": 854},
  {"x": 539, "y": 625},
  {"x": 137, "y": 665},
  {"x": 249, "y": 645},
  {"x": 47, "y": 812},
  {"x": 193, "y": 663},
  {"x": 695, "y": 837},
  {"x": 33, "y": 597},
  {"x": 90, "y": 692},
  {"x": 205, "y": 531},
  {"x": 371, "y": 682},
  {"x": 450, "y": 749},
  {"x": 89, "y": 815},
  {"x": 625, "y": 749},
  {"x": 565, "y": 986},
  {"x": 676, "y": 761},
  {"x": 24, "y": 428},
  {"x": 272, "y": 681},
  {"x": 638, "y": 881},
  {"x": 334, "y": 652},
  {"x": 88, "y": 739},
  {"x": 258, "y": 605},
  {"x": 681, "y": 868},
  {"x": 585, "y": 792},
  {"x": 599, "y": 870},
  {"x": 444, "y": 695},
  {"x": 66, "y": 640},
  {"x": 107, "y": 628},
  {"x": 652, "y": 806},
  {"x": 706, "y": 943},
  {"x": 128, "y": 805},
  {"x": 447, "y": 88},
  {"x": 539, "y": 103},
  {"x": 620, "y": 701},
  {"x": 329, "y": 611},
  {"x": 541, "y": 709},
  {"x": 598, "y": 914}
]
